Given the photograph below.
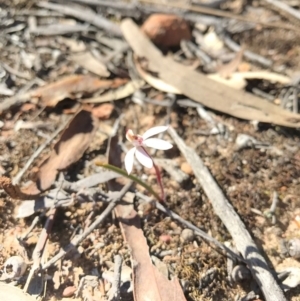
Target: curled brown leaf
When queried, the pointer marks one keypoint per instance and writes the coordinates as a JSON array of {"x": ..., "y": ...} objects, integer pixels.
[{"x": 69, "y": 149}]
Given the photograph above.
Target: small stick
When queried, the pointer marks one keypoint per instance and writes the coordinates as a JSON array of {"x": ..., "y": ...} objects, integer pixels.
[
  {"x": 295, "y": 100},
  {"x": 117, "y": 278},
  {"x": 86, "y": 15},
  {"x": 248, "y": 54},
  {"x": 274, "y": 202},
  {"x": 16, "y": 72},
  {"x": 78, "y": 239},
  {"x": 285, "y": 8},
  {"x": 20, "y": 174},
  {"x": 271, "y": 212},
  {"x": 32, "y": 226},
  {"x": 40, "y": 247}
]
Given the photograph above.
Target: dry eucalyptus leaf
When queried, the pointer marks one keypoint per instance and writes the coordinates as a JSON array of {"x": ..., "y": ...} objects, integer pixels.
[
  {"x": 198, "y": 87},
  {"x": 155, "y": 82},
  {"x": 69, "y": 149},
  {"x": 68, "y": 87}
]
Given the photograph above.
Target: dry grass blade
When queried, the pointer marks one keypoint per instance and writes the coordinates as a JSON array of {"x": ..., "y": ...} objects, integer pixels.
[
  {"x": 148, "y": 282},
  {"x": 69, "y": 149},
  {"x": 204, "y": 90},
  {"x": 243, "y": 241}
]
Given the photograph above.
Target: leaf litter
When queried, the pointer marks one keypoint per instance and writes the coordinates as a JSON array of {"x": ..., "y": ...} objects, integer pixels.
[{"x": 49, "y": 73}]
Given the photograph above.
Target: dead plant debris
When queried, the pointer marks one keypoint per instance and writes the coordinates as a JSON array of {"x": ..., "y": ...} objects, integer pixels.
[{"x": 224, "y": 76}]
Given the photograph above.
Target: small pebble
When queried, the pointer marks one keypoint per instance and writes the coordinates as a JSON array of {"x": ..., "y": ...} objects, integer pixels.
[
  {"x": 187, "y": 235},
  {"x": 186, "y": 168},
  {"x": 166, "y": 30},
  {"x": 165, "y": 238}
]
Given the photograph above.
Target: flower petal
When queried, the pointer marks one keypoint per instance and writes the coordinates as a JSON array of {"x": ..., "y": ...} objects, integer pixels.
[
  {"x": 154, "y": 131},
  {"x": 143, "y": 157},
  {"x": 129, "y": 158},
  {"x": 158, "y": 143}
]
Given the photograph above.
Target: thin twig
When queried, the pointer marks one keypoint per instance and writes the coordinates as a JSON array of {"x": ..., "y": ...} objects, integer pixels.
[
  {"x": 248, "y": 54},
  {"x": 78, "y": 239},
  {"x": 32, "y": 226},
  {"x": 20, "y": 174},
  {"x": 40, "y": 247},
  {"x": 285, "y": 8},
  {"x": 271, "y": 212},
  {"x": 117, "y": 277},
  {"x": 16, "y": 72},
  {"x": 274, "y": 202},
  {"x": 86, "y": 15}
]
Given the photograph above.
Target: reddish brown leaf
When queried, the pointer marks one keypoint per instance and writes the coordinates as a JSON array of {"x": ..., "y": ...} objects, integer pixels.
[
  {"x": 52, "y": 93},
  {"x": 69, "y": 149}
]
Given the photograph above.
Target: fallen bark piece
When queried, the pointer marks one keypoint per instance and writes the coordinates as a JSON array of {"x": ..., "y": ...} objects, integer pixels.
[
  {"x": 243, "y": 241},
  {"x": 202, "y": 89},
  {"x": 69, "y": 149},
  {"x": 166, "y": 30}
]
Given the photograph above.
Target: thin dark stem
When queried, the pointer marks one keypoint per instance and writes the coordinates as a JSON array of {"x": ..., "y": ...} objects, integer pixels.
[{"x": 158, "y": 176}]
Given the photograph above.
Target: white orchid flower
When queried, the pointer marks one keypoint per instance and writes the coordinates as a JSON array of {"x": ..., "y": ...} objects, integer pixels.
[{"x": 140, "y": 142}]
